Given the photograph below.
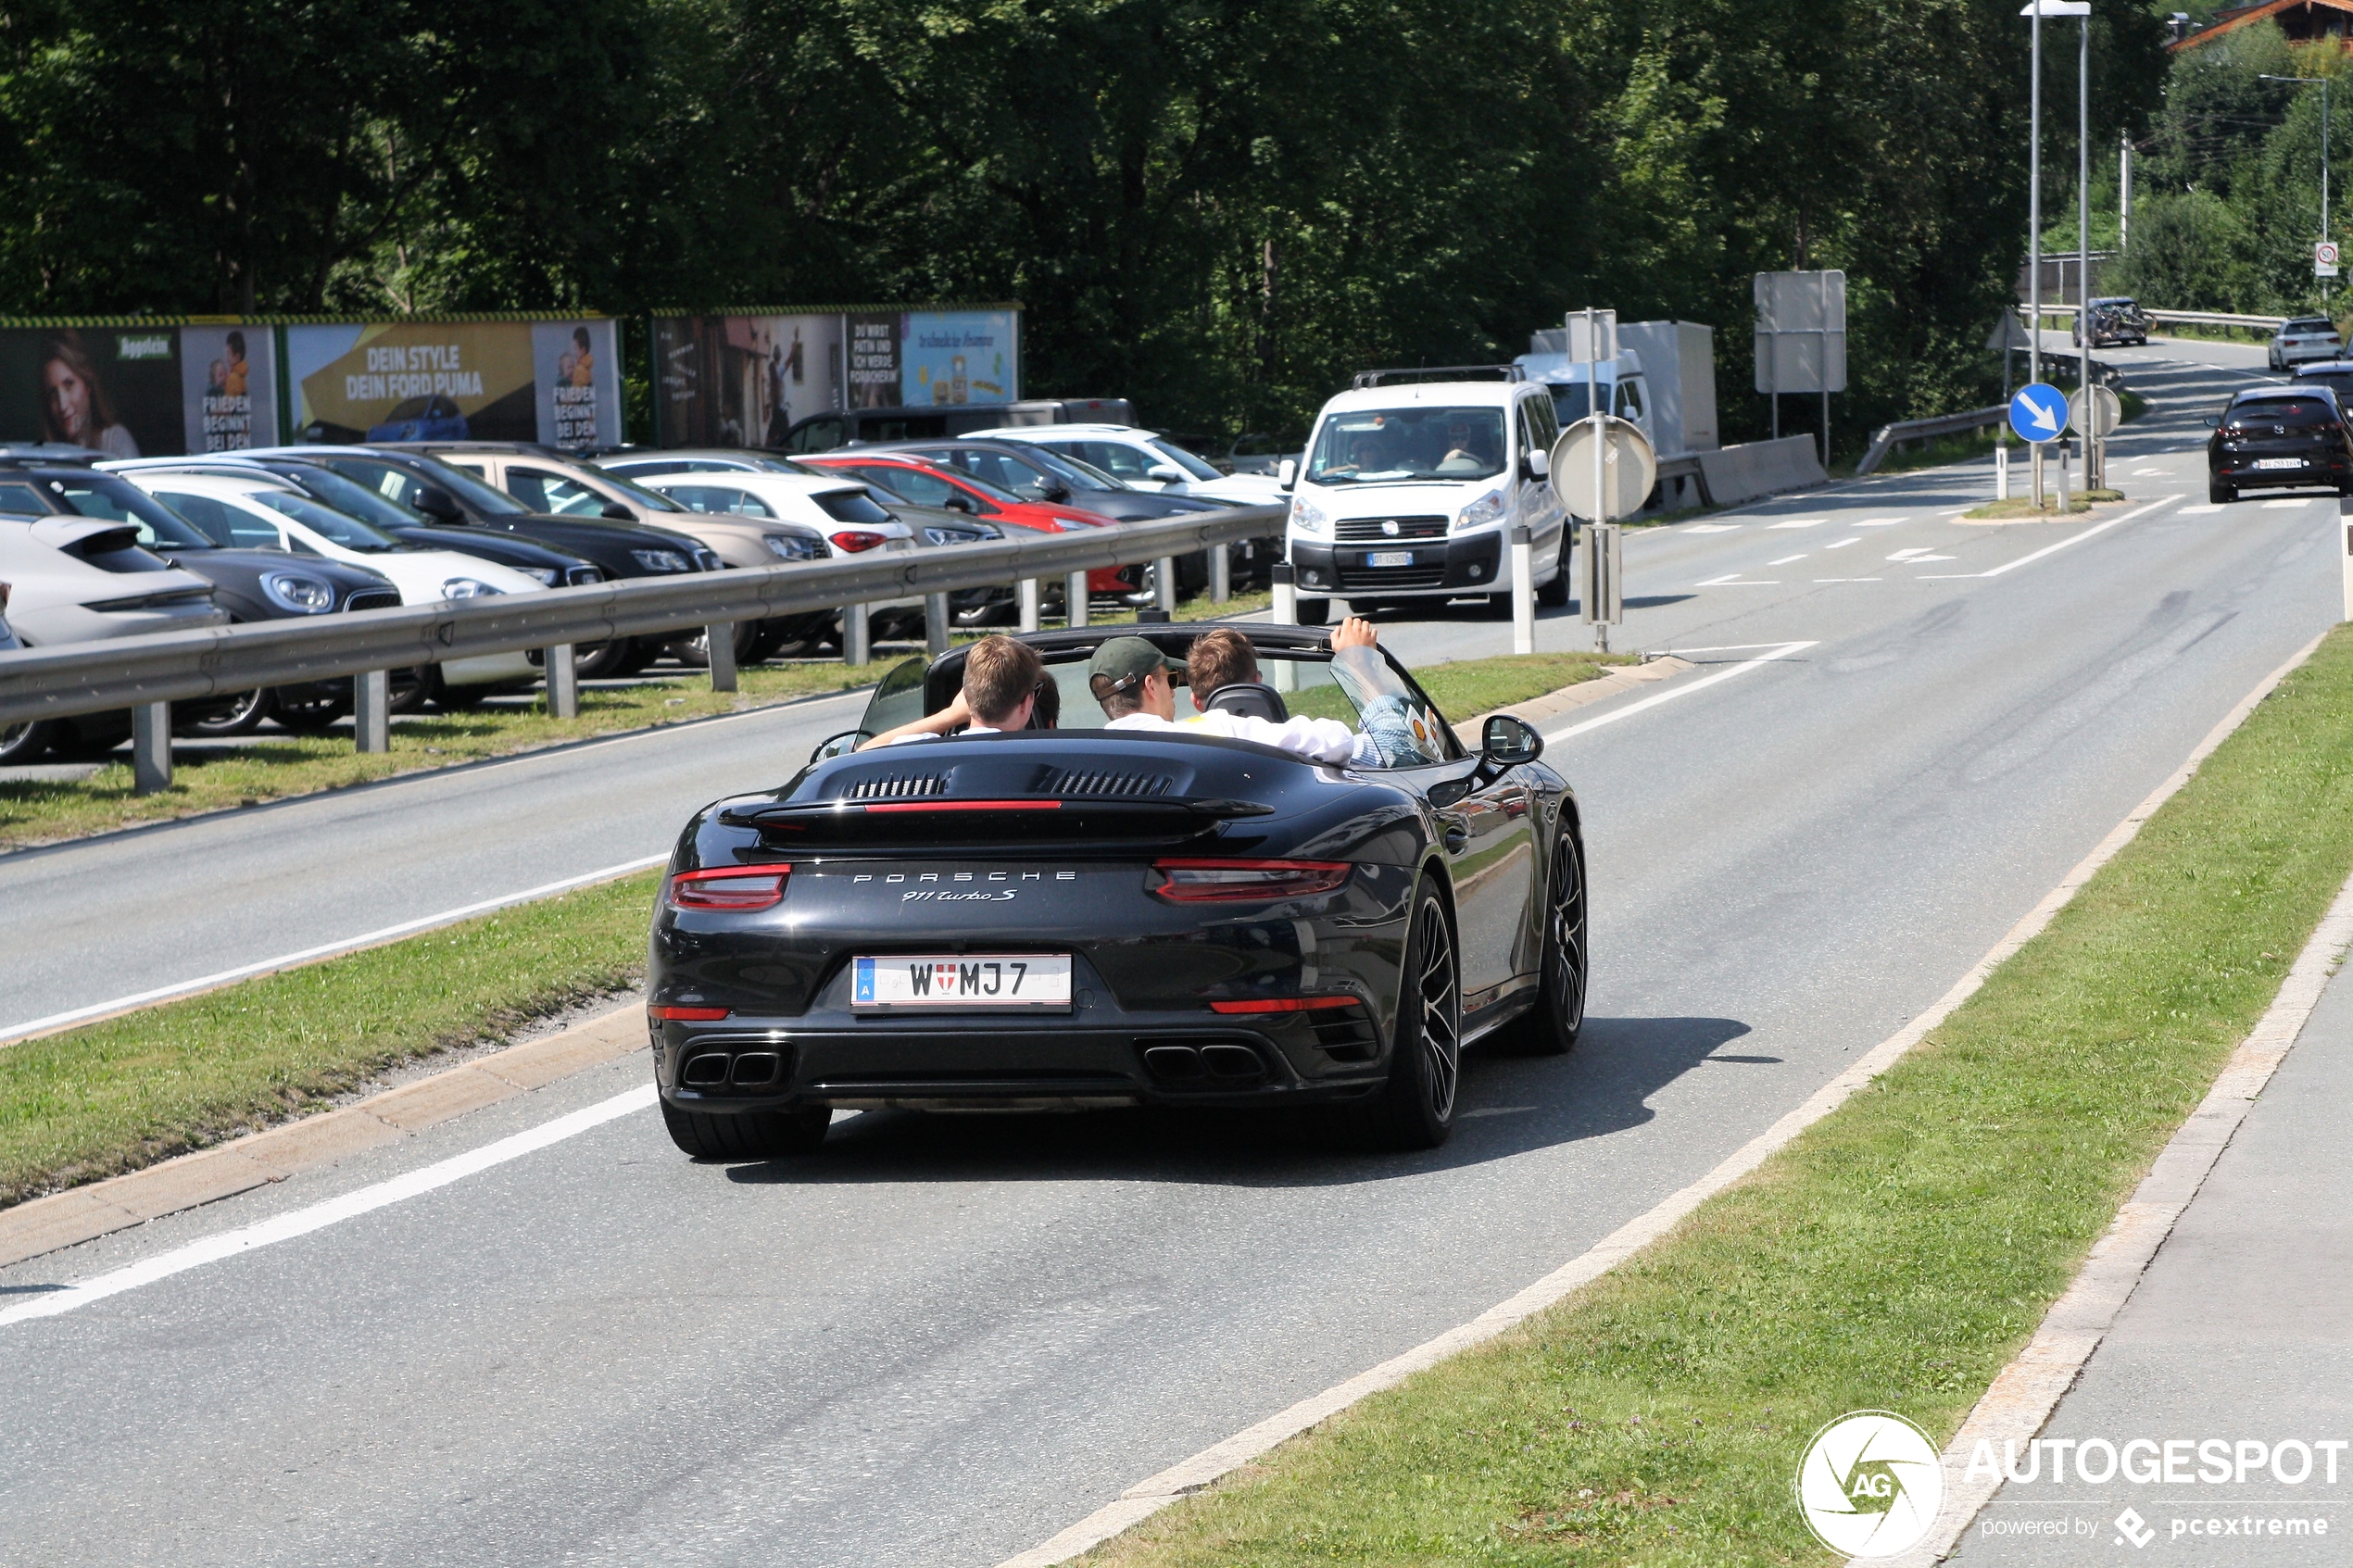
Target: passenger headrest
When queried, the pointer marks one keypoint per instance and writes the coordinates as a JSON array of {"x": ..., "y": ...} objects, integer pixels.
[{"x": 1248, "y": 699}]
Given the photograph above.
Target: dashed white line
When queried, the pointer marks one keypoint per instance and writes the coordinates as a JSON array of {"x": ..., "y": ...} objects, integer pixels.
[
  {"x": 2281, "y": 505},
  {"x": 1786, "y": 560},
  {"x": 2197, "y": 512},
  {"x": 1842, "y": 544},
  {"x": 1799, "y": 523},
  {"x": 1734, "y": 580},
  {"x": 1711, "y": 527},
  {"x": 1878, "y": 522}
]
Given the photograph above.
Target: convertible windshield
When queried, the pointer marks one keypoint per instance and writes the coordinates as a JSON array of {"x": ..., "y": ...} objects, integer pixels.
[
  {"x": 1381, "y": 445},
  {"x": 328, "y": 524}
]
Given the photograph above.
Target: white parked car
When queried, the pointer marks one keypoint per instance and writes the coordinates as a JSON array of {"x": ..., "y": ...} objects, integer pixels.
[
  {"x": 1145, "y": 461},
  {"x": 1409, "y": 492},
  {"x": 84, "y": 579},
  {"x": 265, "y": 513}
]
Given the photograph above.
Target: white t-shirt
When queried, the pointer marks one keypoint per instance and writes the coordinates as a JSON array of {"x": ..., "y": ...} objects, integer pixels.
[
  {"x": 1319, "y": 740},
  {"x": 967, "y": 730}
]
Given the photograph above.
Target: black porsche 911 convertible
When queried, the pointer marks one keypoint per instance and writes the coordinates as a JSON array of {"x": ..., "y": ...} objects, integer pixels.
[{"x": 1079, "y": 917}]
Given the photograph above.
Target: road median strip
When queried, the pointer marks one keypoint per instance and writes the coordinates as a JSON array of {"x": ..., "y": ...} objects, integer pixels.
[
  {"x": 109, "y": 1124},
  {"x": 1894, "y": 1244}
]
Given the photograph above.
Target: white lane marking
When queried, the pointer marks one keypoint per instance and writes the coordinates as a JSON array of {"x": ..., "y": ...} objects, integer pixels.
[
  {"x": 1850, "y": 580},
  {"x": 2144, "y": 473},
  {"x": 2048, "y": 550},
  {"x": 1799, "y": 523},
  {"x": 1734, "y": 580},
  {"x": 1778, "y": 651},
  {"x": 1878, "y": 522},
  {"x": 1842, "y": 544},
  {"x": 2277, "y": 505},
  {"x": 1153, "y": 1493},
  {"x": 13, "y": 1032},
  {"x": 1711, "y": 528},
  {"x": 1786, "y": 560},
  {"x": 318, "y": 1216},
  {"x": 2198, "y": 511}
]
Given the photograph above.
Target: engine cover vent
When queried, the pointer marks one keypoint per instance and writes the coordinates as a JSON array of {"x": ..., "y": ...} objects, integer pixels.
[
  {"x": 1100, "y": 784},
  {"x": 894, "y": 786}
]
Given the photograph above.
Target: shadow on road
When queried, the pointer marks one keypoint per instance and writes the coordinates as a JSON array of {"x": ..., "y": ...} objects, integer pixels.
[{"x": 1510, "y": 1105}]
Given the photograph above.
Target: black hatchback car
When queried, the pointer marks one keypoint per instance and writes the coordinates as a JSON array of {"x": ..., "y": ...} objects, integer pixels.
[{"x": 2268, "y": 439}]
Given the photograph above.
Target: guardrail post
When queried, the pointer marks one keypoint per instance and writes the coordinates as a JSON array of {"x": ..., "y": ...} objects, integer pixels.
[
  {"x": 1164, "y": 580},
  {"x": 563, "y": 683},
  {"x": 936, "y": 624},
  {"x": 1523, "y": 591},
  {"x": 1074, "y": 600},
  {"x": 1028, "y": 589},
  {"x": 857, "y": 635},
  {"x": 150, "y": 747},
  {"x": 1221, "y": 573},
  {"x": 1286, "y": 595},
  {"x": 722, "y": 639},
  {"x": 371, "y": 710}
]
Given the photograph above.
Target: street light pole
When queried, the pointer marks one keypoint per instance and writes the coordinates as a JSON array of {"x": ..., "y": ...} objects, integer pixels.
[
  {"x": 2084, "y": 255},
  {"x": 2323, "y": 82}
]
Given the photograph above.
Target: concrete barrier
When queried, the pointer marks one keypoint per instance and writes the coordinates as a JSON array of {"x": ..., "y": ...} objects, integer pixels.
[{"x": 1735, "y": 474}]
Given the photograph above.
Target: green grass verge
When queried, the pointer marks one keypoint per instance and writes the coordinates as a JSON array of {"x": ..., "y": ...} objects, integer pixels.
[
  {"x": 112, "y": 1096},
  {"x": 1895, "y": 1256}
]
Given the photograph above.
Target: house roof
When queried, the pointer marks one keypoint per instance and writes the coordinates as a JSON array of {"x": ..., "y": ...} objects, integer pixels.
[{"x": 2266, "y": 10}]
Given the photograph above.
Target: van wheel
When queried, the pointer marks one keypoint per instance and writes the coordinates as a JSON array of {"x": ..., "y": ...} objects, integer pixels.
[
  {"x": 752, "y": 1134},
  {"x": 1314, "y": 613},
  {"x": 1555, "y": 594}
]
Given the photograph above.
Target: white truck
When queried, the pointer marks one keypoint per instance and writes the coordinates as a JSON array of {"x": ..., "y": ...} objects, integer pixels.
[{"x": 1663, "y": 380}]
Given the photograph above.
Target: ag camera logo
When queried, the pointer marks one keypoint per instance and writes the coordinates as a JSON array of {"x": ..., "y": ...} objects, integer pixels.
[{"x": 1869, "y": 1484}]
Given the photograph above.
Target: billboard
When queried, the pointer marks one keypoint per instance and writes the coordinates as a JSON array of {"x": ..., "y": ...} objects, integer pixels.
[
  {"x": 742, "y": 380},
  {"x": 557, "y": 380},
  {"x": 136, "y": 389}
]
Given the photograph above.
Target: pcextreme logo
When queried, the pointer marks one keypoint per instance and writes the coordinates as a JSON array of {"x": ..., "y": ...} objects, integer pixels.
[{"x": 1869, "y": 1484}]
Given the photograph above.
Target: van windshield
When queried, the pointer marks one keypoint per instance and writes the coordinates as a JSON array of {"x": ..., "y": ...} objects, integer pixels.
[{"x": 1383, "y": 445}]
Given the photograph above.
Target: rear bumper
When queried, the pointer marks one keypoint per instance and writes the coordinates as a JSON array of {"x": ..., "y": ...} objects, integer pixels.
[
  {"x": 1471, "y": 564},
  {"x": 2330, "y": 472}
]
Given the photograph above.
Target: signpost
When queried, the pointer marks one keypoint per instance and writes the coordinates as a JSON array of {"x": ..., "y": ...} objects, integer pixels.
[
  {"x": 1603, "y": 480},
  {"x": 2325, "y": 259},
  {"x": 2038, "y": 413},
  {"x": 1801, "y": 340}
]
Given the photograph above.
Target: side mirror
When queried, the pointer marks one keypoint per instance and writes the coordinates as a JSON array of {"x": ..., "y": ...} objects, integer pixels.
[
  {"x": 1165, "y": 473},
  {"x": 842, "y": 744},
  {"x": 616, "y": 511},
  {"x": 439, "y": 504},
  {"x": 1538, "y": 463},
  {"x": 1287, "y": 474},
  {"x": 1507, "y": 742},
  {"x": 1054, "y": 491}
]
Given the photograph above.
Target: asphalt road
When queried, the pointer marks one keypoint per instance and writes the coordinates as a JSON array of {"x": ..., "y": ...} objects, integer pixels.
[{"x": 949, "y": 1336}]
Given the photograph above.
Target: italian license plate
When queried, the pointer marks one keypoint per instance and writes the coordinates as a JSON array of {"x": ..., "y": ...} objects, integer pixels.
[
  {"x": 1390, "y": 557},
  {"x": 2279, "y": 462},
  {"x": 961, "y": 980}
]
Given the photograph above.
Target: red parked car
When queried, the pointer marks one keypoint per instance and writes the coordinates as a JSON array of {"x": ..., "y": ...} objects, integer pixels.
[{"x": 930, "y": 484}]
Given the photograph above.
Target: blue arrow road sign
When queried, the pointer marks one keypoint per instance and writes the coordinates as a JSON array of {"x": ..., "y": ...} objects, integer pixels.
[{"x": 2038, "y": 412}]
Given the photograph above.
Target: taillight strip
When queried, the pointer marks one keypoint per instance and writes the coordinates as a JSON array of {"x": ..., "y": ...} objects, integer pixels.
[
  {"x": 754, "y": 887},
  {"x": 1286, "y": 1004},
  {"x": 887, "y": 806},
  {"x": 687, "y": 1015}
]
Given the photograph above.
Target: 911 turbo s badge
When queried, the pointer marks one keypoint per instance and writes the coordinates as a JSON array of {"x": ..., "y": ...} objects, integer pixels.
[{"x": 982, "y": 894}]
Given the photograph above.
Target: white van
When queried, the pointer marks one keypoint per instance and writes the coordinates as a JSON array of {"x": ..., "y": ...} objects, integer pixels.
[{"x": 1410, "y": 491}]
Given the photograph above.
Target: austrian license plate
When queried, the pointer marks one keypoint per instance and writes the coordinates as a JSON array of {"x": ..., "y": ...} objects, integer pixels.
[
  {"x": 961, "y": 980},
  {"x": 2279, "y": 462},
  {"x": 1390, "y": 557}
]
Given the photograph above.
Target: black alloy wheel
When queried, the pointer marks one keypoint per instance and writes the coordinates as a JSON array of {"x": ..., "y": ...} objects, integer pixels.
[
  {"x": 1550, "y": 1028},
  {"x": 1555, "y": 594},
  {"x": 242, "y": 717},
  {"x": 750, "y": 1135},
  {"x": 1415, "y": 1107},
  {"x": 28, "y": 742}
]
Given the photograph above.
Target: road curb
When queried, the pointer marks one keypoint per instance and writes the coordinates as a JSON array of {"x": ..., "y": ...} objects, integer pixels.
[
  {"x": 1147, "y": 1497},
  {"x": 84, "y": 1213}
]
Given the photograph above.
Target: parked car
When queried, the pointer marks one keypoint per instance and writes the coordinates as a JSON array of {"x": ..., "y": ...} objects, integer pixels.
[
  {"x": 432, "y": 418},
  {"x": 1145, "y": 461},
  {"x": 2115, "y": 318},
  {"x": 636, "y": 463},
  {"x": 1409, "y": 492},
  {"x": 917, "y": 479},
  {"x": 2269, "y": 439},
  {"x": 1036, "y": 474},
  {"x": 256, "y": 584},
  {"x": 262, "y": 513},
  {"x": 1255, "y": 452},
  {"x": 78, "y": 580},
  {"x": 2303, "y": 338},
  {"x": 456, "y": 499}
]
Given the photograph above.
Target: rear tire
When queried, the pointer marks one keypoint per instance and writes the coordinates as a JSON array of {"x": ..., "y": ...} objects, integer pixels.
[
  {"x": 750, "y": 1135},
  {"x": 251, "y": 709},
  {"x": 1415, "y": 1107},
  {"x": 30, "y": 742},
  {"x": 1550, "y": 1028},
  {"x": 2219, "y": 495}
]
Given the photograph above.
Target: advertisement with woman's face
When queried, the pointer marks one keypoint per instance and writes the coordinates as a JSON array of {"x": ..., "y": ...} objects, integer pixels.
[{"x": 110, "y": 390}]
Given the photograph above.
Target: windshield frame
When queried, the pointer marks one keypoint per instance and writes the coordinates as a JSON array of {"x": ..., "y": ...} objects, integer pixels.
[
  {"x": 131, "y": 499},
  {"x": 477, "y": 493},
  {"x": 1190, "y": 463},
  {"x": 370, "y": 540},
  {"x": 361, "y": 495}
]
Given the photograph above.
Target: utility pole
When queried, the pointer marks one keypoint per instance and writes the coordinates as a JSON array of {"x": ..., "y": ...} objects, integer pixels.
[
  {"x": 2324, "y": 159},
  {"x": 2124, "y": 194},
  {"x": 2083, "y": 256},
  {"x": 2034, "y": 230}
]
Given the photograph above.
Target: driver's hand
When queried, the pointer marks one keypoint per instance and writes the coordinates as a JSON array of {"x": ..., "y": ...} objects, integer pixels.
[{"x": 1353, "y": 633}]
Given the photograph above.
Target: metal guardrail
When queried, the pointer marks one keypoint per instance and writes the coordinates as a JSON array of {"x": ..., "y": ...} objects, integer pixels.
[
  {"x": 2217, "y": 319},
  {"x": 1884, "y": 440},
  {"x": 58, "y": 682}
]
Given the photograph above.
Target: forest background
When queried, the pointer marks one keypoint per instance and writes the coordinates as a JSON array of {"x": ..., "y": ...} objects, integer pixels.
[{"x": 1218, "y": 208}]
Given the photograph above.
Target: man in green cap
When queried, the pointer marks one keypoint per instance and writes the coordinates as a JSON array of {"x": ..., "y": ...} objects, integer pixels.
[{"x": 1130, "y": 679}]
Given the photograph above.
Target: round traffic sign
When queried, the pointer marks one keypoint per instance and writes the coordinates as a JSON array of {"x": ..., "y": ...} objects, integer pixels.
[
  {"x": 2039, "y": 412},
  {"x": 2107, "y": 411},
  {"x": 2324, "y": 253},
  {"x": 1631, "y": 468}
]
